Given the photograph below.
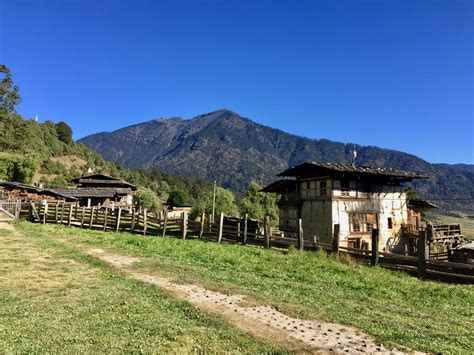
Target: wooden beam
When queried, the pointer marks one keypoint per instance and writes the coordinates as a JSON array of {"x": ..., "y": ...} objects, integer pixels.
[
  {"x": 83, "y": 215},
  {"x": 145, "y": 226},
  {"x": 45, "y": 212},
  {"x": 244, "y": 240},
  {"x": 300, "y": 234},
  {"x": 335, "y": 240},
  {"x": 184, "y": 224},
  {"x": 221, "y": 227},
  {"x": 266, "y": 231},
  {"x": 423, "y": 254},
  {"x": 106, "y": 212},
  {"x": 201, "y": 229},
  {"x": 165, "y": 222},
  {"x": 91, "y": 218},
  {"x": 374, "y": 259},
  {"x": 132, "y": 226},
  {"x": 117, "y": 219},
  {"x": 69, "y": 216}
]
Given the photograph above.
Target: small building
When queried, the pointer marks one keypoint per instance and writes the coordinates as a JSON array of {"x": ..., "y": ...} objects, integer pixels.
[
  {"x": 101, "y": 190},
  {"x": 19, "y": 191},
  {"x": 357, "y": 198},
  {"x": 176, "y": 212}
]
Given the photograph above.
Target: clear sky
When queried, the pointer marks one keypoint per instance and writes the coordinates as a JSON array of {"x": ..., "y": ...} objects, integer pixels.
[{"x": 391, "y": 73}]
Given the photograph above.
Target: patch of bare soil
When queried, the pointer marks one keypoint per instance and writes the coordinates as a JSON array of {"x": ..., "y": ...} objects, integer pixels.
[
  {"x": 7, "y": 226},
  {"x": 263, "y": 321}
]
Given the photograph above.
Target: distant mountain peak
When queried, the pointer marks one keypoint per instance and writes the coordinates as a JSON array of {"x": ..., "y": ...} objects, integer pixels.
[{"x": 223, "y": 146}]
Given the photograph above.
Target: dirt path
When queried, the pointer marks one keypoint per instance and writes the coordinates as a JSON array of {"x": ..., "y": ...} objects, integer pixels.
[{"x": 263, "y": 321}]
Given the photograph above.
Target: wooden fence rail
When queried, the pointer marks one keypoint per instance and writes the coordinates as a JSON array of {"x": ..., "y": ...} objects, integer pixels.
[{"x": 232, "y": 230}]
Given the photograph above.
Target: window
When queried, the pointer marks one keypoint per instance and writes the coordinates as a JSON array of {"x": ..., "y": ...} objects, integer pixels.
[
  {"x": 390, "y": 222},
  {"x": 322, "y": 188},
  {"x": 362, "y": 222},
  {"x": 344, "y": 187}
]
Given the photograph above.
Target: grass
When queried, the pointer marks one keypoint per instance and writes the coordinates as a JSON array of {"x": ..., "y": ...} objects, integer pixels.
[
  {"x": 54, "y": 299},
  {"x": 395, "y": 308}
]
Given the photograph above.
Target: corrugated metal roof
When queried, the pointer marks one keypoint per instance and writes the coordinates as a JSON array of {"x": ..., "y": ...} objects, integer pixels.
[{"x": 280, "y": 186}]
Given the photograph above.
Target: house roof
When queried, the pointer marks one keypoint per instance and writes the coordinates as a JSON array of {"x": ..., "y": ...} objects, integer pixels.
[
  {"x": 86, "y": 192},
  {"x": 310, "y": 169},
  {"x": 36, "y": 189},
  {"x": 281, "y": 186},
  {"x": 421, "y": 204},
  {"x": 102, "y": 180}
]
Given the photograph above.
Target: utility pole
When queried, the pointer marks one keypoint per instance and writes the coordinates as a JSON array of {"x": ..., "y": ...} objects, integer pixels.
[{"x": 213, "y": 202}]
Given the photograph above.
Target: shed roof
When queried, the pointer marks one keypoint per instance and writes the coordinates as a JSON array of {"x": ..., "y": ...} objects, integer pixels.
[
  {"x": 36, "y": 189},
  {"x": 421, "y": 204},
  {"x": 281, "y": 186},
  {"x": 104, "y": 180},
  {"x": 318, "y": 168},
  {"x": 86, "y": 192}
]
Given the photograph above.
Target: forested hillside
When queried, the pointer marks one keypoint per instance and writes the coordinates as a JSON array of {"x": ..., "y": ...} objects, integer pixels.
[{"x": 234, "y": 150}]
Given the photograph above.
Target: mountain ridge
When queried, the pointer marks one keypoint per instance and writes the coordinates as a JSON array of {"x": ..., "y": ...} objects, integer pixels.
[{"x": 234, "y": 150}]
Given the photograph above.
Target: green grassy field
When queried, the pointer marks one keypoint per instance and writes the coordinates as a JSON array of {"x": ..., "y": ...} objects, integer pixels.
[
  {"x": 395, "y": 308},
  {"x": 54, "y": 299}
]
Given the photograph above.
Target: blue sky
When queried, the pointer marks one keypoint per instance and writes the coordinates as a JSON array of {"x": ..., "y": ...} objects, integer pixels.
[{"x": 391, "y": 73}]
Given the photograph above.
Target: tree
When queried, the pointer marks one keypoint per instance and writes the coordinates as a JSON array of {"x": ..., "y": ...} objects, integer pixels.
[
  {"x": 18, "y": 168},
  {"x": 146, "y": 198},
  {"x": 9, "y": 96},
  {"x": 225, "y": 203},
  {"x": 64, "y": 132},
  {"x": 178, "y": 198},
  {"x": 258, "y": 204}
]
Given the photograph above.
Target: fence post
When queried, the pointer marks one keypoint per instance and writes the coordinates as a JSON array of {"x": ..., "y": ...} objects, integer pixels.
[
  {"x": 245, "y": 229},
  {"x": 201, "y": 229},
  {"x": 117, "y": 220},
  {"x": 145, "y": 226},
  {"x": 374, "y": 257},
  {"x": 266, "y": 231},
  {"x": 184, "y": 224},
  {"x": 300, "y": 234},
  {"x": 132, "y": 225},
  {"x": 165, "y": 222},
  {"x": 56, "y": 212},
  {"x": 69, "y": 216},
  {"x": 106, "y": 212},
  {"x": 335, "y": 240},
  {"x": 83, "y": 216},
  {"x": 62, "y": 213},
  {"x": 45, "y": 212},
  {"x": 91, "y": 217},
  {"x": 221, "y": 227},
  {"x": 422, "y": 254}
]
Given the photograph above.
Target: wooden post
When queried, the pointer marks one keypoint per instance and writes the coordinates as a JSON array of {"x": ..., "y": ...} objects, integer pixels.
[
  {"x": 238, "y": 229},
  {"x": 266, "y": 231},
  {"x": 422, "y": 254},
  {"x": 83, "y": 215},
  {"x": 56, "y": 212},
  {"x": 117, "y": 220},
  {"x": 69, "y": 216},
  {"x": 165, "y": 222},
  {"x": 62, "y": 213},
  {"x": 300, "y": 234},
  {"x": 374, "y": 259},
  {"x": 246, "y": 217},
  {"x": 201, "y": 229},
  {"x": 106, "y": 212},
  {"x": 221, "y": 227},
  {"x": 132, "y": 226},
  {"x": 91, "y": 217},
  {"x": 144, "y": 221},
  {"x": 45, "y": 212},
  {"x": 184, "y": 224},
  {"x": 335, "y": 240}
]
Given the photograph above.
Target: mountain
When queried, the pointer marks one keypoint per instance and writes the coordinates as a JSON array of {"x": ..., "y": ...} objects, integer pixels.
[{"x": 233, "y": 150}]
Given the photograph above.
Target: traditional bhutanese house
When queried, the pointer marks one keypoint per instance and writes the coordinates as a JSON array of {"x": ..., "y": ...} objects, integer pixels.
[
  {"x": 19, "y": 191},
  {"x": 103, "y": 190},
  {"x": 357, "y": 198}
]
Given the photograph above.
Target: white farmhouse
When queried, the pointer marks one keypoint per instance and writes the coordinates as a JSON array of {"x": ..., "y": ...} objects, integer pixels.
[{"x": 357, "y": 198}]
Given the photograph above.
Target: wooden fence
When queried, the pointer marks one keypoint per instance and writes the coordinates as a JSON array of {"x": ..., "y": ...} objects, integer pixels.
[{"x": 232, "y": 230}]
